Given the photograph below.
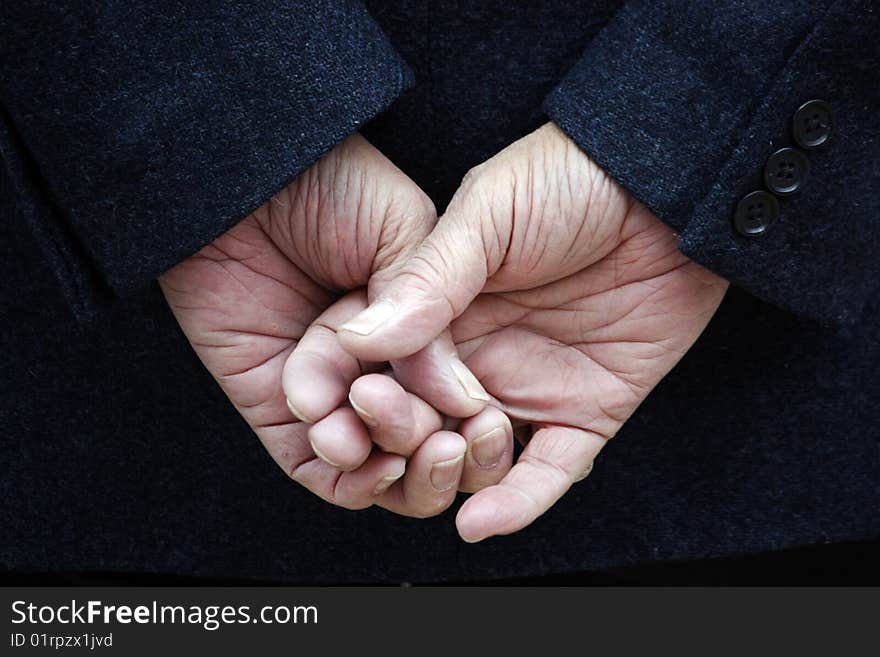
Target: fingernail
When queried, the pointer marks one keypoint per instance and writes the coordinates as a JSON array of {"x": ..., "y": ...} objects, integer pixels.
[
  {"x": 299, "y": 416},
  {"x": 474, "y": 540},
  {"x": 444, "y": 474},
  {"x": 488, "y": 448},
  {"x": 468, "y": 381},
  {"x": 321, "y": 456},
  {"x": 368, "y": 419},
  {"x": 386, "y": 483},
  {"x": 368, "y": 320},
  {"x": 585, "y": 473}
]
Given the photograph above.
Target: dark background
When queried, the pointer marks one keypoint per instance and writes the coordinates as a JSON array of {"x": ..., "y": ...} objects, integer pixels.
[
  {"x": 120, "y": 455},
  {"x": 844, "y": 564}
]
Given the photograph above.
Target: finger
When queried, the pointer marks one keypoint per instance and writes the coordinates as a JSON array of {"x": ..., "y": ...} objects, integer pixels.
[
  {"x": 416, "y": 301},
  {"x": 359, "y": 489},
  {"x": 489, "y": 436},
  {"x": 287, "y": 444},
  {"x": 319, "y": 372},
  {"x": 398, "y": 421},
  {"x": 431, "y": 480},
  {"x": 437, "y": 375},
  {"x": 352, "y": 490},
  {"x": 553, "y": 460},
  {"x": 341, "y": 439}
]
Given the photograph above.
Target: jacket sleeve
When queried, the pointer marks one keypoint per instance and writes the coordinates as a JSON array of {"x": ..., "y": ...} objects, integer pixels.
[
  {"x": 684, "y": 103},
  {"x": 136, "y": 132}
]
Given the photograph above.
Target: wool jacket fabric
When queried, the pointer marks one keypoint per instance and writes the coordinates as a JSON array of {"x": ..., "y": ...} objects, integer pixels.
[
  {"x": 133, "y": 133},
  {"x": 120, "y": 108}
]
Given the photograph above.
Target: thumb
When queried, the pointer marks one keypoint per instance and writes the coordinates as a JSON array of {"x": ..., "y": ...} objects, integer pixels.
[{"x": 416, "y": 299}]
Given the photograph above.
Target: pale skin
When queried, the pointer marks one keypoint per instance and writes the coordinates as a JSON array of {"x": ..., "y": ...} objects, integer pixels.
[
  {"x": 566, "y": 298},
  {"x": 253, "y": 295}
]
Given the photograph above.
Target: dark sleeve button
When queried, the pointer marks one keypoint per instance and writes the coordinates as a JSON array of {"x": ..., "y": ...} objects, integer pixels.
[
  {"x": 755, "y": 213},
  {"x": 786, "y": 171},
  {"x": 813, "y": 124}
]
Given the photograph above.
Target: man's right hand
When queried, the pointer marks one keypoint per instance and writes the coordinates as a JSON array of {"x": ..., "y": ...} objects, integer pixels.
[{"x": 568, "y": 299}]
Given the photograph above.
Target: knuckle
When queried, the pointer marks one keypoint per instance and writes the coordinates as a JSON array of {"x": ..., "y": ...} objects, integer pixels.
[
  {"x": 472, "y": 175},
  {"x": 292, "y": 467},
  {"x": 429, "y": 508},
  {"x": 353, "y": 503},
  {"x": 348, "y": 498},
  {"x": 559, "y": 473}
]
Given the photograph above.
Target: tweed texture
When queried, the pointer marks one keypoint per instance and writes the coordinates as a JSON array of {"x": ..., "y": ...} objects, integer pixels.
[
  {"x": 154, "y": 127},
  {"x": 684, "y": 107}
]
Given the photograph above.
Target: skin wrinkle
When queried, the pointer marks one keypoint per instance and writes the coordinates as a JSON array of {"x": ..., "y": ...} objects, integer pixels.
[
  {"x": 333, "y": 179},
  {"x": 380, "y": 207},
  {"x": 253, "y": 405},
  {"x": 226, "y": 252},
  {"x": 532, "y": 225},
  {"x": 247, "y": 332},
  {"x": 300, "y": 198},
  {"x": 531, "y": 309},
  {"x": 470, "y": 191},
  {"x": 576, "y": 239},
  {"x": 558, "y": 305},
  {"x": 545, "y": 465},
  {"x": 632, "y": 389},
  {"x": 392, "y": 247},
  {"x": 487, "y": 200},
  {"x": 385, "y": 250},
  {"x": 252, "y": 333},
  {"x": 275, "y": 425},
  {"x": 493, "y": 249},
  {"x": 530, "y": 199},
  {"x": 311, "y": 459},
  {"x": 378, "y": 245},
  {"x": 295, "y": 467},
  {"x": 417, "y": 277},
  {"x": 265, "y": 406},
  {"x": 590, "y": 197},
  {"x": 311, "y": 222},
  {"x": 232, "y": 375},
  {"x": 285, "y": 224},
  {"x": 287, "y": 285},
  {"x": 351, "y": 277},
  {"x": 247, "y": 289},
  {"x": 351, "y": 505},
  {"x": 535, "y": 505},
  {"x": 362, "y": 367},
  {"x": 622, "y": 318},
  {"x": 503, "y": 247},
  {"x": 342, "y": 187},
  {"x": 615, "y": 290},
  {"x": 208, "y": 345},
  {"x": 568, "y": 352},
  {"x": 340, "y": 364}
]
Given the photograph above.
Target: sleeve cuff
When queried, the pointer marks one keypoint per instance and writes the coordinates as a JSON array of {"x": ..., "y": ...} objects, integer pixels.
[
  {"x": 684, "y": 108},
  {"x": 154, "y": 132}
]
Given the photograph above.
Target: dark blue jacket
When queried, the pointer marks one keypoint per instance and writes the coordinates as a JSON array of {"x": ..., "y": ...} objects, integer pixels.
[{"x": 134, "y": 132}]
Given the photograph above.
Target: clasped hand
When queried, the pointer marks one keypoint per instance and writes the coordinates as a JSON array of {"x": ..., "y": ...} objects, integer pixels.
[{"x": 386, "y": 357}]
